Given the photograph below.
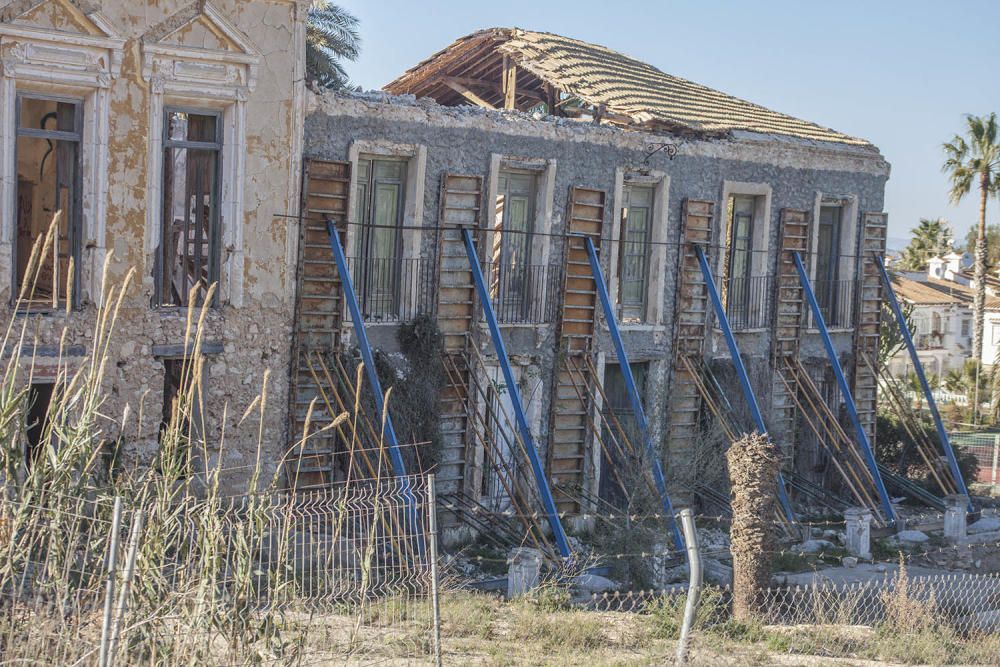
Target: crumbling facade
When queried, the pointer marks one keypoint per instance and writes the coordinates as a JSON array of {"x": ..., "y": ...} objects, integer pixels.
[
  {"x": 173, "y": 139},
  {"x": 532, "y": 140},
  {"x": 167, "y": 137}
]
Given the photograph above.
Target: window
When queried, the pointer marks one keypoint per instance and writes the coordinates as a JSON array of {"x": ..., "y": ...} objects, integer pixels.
[
  {"x": 512, "y": 276},
  {"x": 634, "y": 251},
  {"x": 181, "y": 415},
  {"x": 499, "y": 463},
  {"x": 618, "y": 470},
  {"x": 378, "y": 267},
  {"x": 189, "y": 245},
  {"x": 965, "y": 328},
  {"x": 37, "y": 421},
  {"x": 936, "y": 326},
  {"x": 49, "y": 133},
  {"x": 743, "y": 297},
  {"x": 828, "y": 248}
]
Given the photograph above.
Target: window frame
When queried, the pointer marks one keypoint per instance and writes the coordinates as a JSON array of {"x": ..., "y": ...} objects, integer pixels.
[
  {"x": 75, "y": 227},
  {"x": 514, "y": 311},
  {"x": 363, "y": 238},
  {"x": 830, "y": 301},
  {"x": 743, "y": 297},
  {"x": 626, "y": 210},
  {"x": 215, "y": 224}
]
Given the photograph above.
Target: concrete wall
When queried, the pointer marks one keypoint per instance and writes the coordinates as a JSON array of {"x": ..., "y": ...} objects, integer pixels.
[
  {"x": 468, "y": 140},
  {"x": 243, "y": 58}
]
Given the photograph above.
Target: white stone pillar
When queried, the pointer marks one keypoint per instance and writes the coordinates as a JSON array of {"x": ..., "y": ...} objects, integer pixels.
[
  {"x": 858, "y": 540},
  {"x": 524, "y": 572},
  {"x": 955, "y": 517}
]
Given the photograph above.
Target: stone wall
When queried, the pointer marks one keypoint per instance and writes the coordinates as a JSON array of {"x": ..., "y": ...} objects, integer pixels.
[
  {"x": 243, "y": 58},
  {"x": 467, "y": 140}
]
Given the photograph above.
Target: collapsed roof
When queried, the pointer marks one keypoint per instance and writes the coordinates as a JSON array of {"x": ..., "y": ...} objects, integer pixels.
[{"x": 520, "y": 69}]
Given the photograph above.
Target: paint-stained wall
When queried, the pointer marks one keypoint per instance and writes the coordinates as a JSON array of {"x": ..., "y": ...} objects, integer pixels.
[{"x": 261, "y": 46}]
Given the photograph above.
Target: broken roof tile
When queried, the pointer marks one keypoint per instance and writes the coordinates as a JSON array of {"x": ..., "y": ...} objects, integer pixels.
[{"x": 607, "y": 79}]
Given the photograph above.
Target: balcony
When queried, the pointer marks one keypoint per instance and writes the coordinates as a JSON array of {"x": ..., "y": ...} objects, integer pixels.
[
  {"x": 930, "y": 341},
  {"x": 522, "y": 294},
  {"x": 748, "y": 302},
  {"x": 392, "y": 289},
  {"x": 836, "y": 302}
]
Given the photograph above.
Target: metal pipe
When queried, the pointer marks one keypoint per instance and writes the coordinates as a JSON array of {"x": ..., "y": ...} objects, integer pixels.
[
  {"x": 694, "y": 584},
  {"x": 432, "y": 539},
  {"x": 366, "y": 351},
  {"x": 633, "y": 392},
  {"x": 918, "y": 368},
  {"x": 515, "y": 399},
  {"x": 741, "y": 372},
  {"x": 133, "y": 549},
  {"x": 109, "y": 593},
  {"x": 845, "y": 390}
]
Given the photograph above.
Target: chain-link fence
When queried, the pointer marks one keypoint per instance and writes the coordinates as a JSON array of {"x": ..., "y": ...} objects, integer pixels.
[
  {"x": 985, "y": 446},
  {"x": 343, "y": 574},
  {"x": 950, "y": 619}
]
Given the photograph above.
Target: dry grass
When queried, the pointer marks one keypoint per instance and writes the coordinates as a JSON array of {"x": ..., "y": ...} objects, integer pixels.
[{"x": 202, "y": 590}]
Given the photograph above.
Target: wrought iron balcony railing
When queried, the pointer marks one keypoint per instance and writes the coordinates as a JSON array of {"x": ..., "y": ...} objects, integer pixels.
[
  {"x": 392, "y": 289},
  {"x": 748, "y": 302}
]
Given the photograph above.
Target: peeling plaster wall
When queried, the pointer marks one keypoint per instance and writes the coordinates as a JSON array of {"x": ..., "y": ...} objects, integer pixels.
[
  {"x": 461, "y": 140},
  {"x": 254, "y": 336}
]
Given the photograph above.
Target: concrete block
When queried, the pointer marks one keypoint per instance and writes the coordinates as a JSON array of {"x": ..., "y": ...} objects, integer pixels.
[
  {"x": 858, "y": 532},
  {"x": 955, "y": 523},
  {"x": 524, "y": 572}
]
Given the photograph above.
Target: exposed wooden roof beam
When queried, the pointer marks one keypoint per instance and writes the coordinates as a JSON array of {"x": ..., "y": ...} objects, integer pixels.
[
  {"x": 509, "y": 81},
  {"x": 459, "y": 88}
]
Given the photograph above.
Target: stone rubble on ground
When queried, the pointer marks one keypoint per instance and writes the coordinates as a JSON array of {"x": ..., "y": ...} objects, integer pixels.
[
  {"x": 985, "y": 525},
  {"x": 815, "y": 546},
  {"x": 911, "y": 536},
  {"x": 593, "y": 583}
]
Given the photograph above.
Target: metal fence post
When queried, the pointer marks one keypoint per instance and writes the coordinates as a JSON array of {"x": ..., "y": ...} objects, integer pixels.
[
  {"x": 432, "y": 537},
  {"x": 133, "y": 548},
  {"x": 694, "y": 583},
  {"x": 996, "y": 455},
  {"x": 109, "y": 592}
]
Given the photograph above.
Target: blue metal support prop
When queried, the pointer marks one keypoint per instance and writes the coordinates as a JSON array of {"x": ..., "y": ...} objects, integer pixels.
[
  {"x": 845, "y": 391},
  {"x": 919, "y": 369},
  {"x": 741, "y": 372},
  {"x": 399, "y": 466},
  {"x": 515, "y": 399},
  {"x": 633, "y": 393}
]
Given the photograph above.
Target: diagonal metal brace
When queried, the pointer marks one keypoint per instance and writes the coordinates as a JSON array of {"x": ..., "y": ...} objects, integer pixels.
[
  {"x": 918, "y": 367},
  {"x": 741, "y": 372},
  {"x": 845, "y": 390},
  {"x": 541, "y": 480},
  {"x": 633, "y": 393}
]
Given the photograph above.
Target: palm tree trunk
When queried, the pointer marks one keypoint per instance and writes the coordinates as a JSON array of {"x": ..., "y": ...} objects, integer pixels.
[{"x": 979, "y": 302}]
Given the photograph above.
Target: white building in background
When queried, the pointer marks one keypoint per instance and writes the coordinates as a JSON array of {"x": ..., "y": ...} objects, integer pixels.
[{"x": 942, "y": 299}]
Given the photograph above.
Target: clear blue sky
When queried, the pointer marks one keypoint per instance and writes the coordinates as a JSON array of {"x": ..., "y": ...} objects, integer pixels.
[{"x": 900, "y": 73}]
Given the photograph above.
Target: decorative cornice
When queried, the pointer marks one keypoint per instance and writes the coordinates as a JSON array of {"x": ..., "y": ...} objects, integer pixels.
[{"x": 154, "y": 50}]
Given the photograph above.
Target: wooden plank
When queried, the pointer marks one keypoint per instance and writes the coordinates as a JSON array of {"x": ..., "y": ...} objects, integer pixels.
[
  {"x": 789, "y": 319},
  {"x": 459, "y": 88},
  {"x": 325, "y": 196}
]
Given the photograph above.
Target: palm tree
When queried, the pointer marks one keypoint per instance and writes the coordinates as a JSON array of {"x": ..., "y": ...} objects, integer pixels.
[
  {"x": 975, "y": 160},
  {"x": 331, "y": 36},
  {"x": 931, "y": 238}
]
